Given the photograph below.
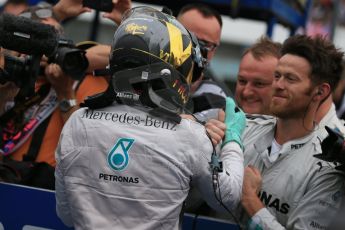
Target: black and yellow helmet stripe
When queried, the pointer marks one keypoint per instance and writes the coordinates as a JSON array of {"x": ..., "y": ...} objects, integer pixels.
[{"x": 180, "y": 52}]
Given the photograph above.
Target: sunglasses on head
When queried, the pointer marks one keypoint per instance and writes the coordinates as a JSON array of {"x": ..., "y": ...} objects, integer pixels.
[{"x": 40, "y": 13}]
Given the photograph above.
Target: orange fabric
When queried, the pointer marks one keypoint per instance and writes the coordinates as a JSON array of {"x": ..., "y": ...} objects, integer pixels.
[
  {"x": 50, "y": 140},
  {"x": 90, "y": 86}
]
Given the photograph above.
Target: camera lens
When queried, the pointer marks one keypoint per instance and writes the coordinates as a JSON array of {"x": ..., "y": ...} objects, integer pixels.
[{"x": 72, "y": 61}]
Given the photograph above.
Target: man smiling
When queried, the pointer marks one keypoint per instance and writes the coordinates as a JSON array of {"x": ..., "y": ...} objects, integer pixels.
[
  {"x": 284, "y": 184},
  {"x": 255, "y": 76}
]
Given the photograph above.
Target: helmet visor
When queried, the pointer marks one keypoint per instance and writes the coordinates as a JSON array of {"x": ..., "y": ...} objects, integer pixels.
[{"x": 155, "y": 85}]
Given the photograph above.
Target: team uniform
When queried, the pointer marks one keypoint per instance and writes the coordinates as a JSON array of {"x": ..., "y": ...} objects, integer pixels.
[
  {"x": 298, "y": 190},
  {"x": 210, "y": 96},
  {"x": 331, "y": 120},
  {"x": 211, "y": 111},
  {"x": 122, "y": 167}
]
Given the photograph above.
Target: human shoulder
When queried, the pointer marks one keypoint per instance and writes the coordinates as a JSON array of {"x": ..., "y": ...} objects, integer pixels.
[
  {"x": 322, "y": 166},
  {"x": 260, "y": 120},
  {"x": 332, "y": 121},
  {"x": 190, "y": 125},
  {"x": 257, "y": 125},
  {"x": 195, "y": 132},
  {"x": 259, "y": 117},
  {"x": 326, "y": 175},
  {"x": 209, "y": 86},
  {"x": 76, "y": 120}
]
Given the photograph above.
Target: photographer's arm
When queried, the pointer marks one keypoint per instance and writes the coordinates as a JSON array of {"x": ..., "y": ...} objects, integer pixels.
[
  {"x": 98, "y": 57},
  {"x": 7, "y": 93},
  {"x": 63, "y": 85},
  {"x": 65, "y": 9},
  {"x": 8, "y": 90},
  {"x": 120, "y": 7},
  {"x": 2, "y": 100}
]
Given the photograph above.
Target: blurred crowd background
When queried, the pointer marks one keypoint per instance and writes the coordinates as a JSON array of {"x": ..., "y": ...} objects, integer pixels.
[{"x": 241, "y": 28}]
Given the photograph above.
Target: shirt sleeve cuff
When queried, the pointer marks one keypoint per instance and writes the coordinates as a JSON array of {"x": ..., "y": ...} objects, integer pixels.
[{"x": 256, "y": 223}]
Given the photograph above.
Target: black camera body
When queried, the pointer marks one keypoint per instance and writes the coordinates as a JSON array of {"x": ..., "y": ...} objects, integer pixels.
[
  {"x": 16, "y": 70},
  {"x": 101, "y": 5},
  {"x": 333, "y": 149},
  {"x": 72, "y": 60},
  {"x": 21, "y": 71},
  {"x": 36, "y": 39}
]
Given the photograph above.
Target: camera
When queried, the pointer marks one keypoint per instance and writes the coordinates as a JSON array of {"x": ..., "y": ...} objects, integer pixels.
[
  {"x": 24, "y": 71},
  {"x": 35, "y": 40},
  {"x": 101, "y": 5},
  {"x": 16, "y": 70},
  {"x": 72, "y": 60},
  {"x": 333, "y": 149}
]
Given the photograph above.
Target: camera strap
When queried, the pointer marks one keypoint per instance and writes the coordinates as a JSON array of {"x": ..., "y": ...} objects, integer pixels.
[
  {"x": 20, "y": 106},
  {"x": 36, "y": 141},
  {"x": 17, "y": 128}
]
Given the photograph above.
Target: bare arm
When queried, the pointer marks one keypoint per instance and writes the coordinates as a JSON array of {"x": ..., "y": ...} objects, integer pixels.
[
  {"x": 98, "y": 57},
  {"x": 120, "y": 7},
  {"x": 63, "y": 85},
  {"x": 65, "y": 9}
]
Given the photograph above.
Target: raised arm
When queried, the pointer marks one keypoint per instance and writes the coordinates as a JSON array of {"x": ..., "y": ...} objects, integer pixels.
[
  {"x": 226, "y": 186},
  {"x": 65, "y": 9},
  {"x": 120, "y": 7}
]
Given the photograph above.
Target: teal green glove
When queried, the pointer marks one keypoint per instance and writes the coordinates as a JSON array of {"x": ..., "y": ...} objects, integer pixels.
[{"x": 235, "y": 121}]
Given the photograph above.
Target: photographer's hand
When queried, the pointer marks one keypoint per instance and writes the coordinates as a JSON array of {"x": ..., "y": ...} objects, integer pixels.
[
  {"x": 62, "y": 83},
  {"x": 2, "y": 58},
  {"x": 8, "y": 91},
  {"x": 65, "y": 9},
  {"x": 120, "y": 7}
]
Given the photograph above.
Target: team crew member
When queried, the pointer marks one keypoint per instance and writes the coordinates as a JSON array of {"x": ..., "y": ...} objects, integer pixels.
[
  {"x": 255, "y": 76},
  {"x": 129, "y": 160},
  {"x": 285, "y": 186}
]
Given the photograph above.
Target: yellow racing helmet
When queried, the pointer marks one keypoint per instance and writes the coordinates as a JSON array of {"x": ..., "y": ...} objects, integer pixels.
[{"x": 159, "y": 58}]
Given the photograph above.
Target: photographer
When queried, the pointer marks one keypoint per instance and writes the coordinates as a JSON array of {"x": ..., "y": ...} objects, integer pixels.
[{"x": 32, "y": 126}]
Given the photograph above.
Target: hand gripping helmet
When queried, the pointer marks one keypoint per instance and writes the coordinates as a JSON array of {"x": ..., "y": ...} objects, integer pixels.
[{"x": 153, "y": 60}]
